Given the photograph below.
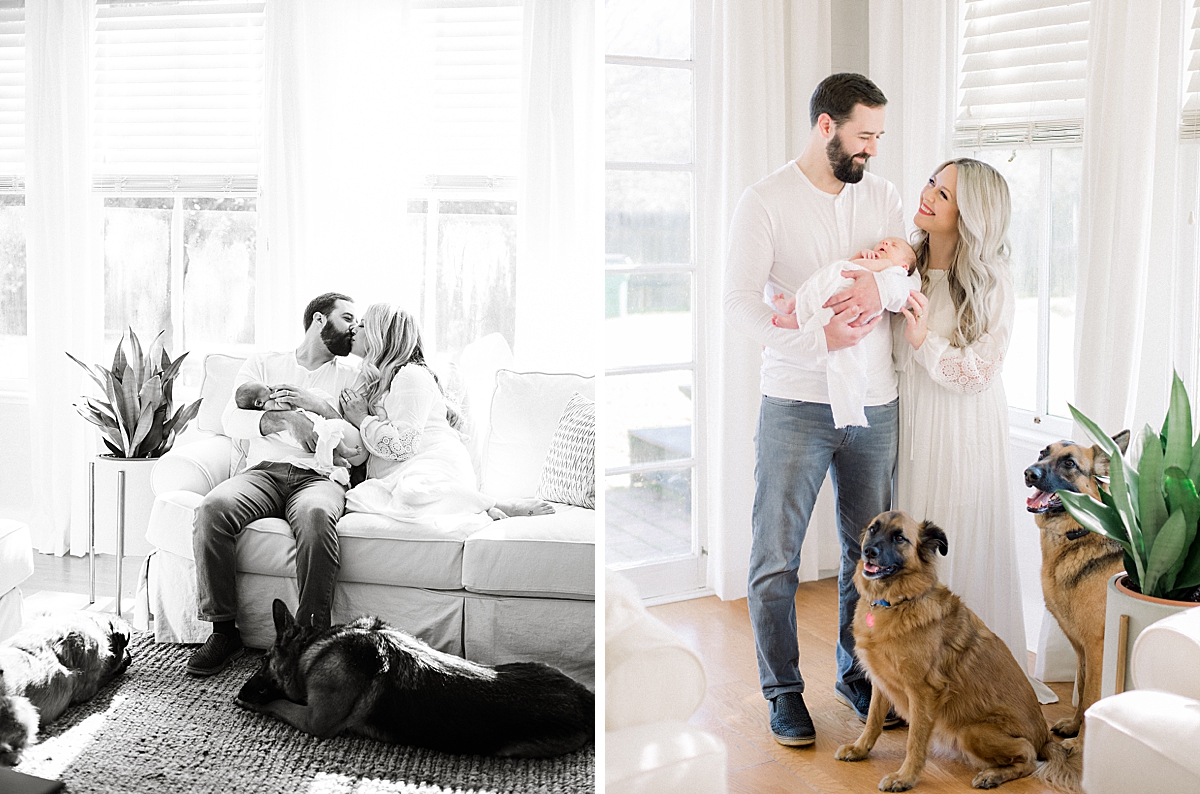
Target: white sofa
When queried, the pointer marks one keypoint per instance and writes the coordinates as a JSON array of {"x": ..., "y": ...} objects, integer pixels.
[
  {"x": 492, "y": 591},
  {"x": 1144, "y": 741},
  {"x": 653, "y": 683},
  {"x": 16, "y": 565}
]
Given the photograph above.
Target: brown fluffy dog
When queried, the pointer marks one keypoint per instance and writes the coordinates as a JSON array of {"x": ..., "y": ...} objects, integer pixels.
[
  {"x": 1076, "y": 563},
  {"x": 51, "y": 663},
  {"x": 934, "y": 660}
]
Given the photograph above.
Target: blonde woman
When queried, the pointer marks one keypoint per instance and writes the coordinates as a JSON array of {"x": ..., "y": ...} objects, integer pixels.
[
  {"x": 953, "y": 452},
  {"x": 418, "y": 466}
]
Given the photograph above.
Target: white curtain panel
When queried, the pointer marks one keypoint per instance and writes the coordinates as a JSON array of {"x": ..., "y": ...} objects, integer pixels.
[
  {"x": 768, "y": 56},
  {"x": 1127, "y": 261},
  {"x": 912, "y": 62},
  {"x": 66, "y": 296},
  {"x": 341, "y": 143},
  {"x": 560, "y": 238}
]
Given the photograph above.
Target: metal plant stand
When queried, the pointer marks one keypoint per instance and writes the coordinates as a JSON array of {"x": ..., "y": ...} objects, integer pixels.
[{"x": 92, "y": 531}]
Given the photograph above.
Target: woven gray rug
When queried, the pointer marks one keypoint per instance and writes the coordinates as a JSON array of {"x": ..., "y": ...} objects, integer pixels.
[{"x": 156, "y": 729}]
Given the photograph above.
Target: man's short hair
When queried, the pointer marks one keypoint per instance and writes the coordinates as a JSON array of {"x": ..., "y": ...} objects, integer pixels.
[
  {"x": 323, "y": 304},
  {"x": 838, "y": 93}
]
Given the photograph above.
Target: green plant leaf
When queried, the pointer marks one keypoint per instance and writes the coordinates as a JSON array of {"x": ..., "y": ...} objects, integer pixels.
[
  {"x": 1178, "y": 427},
  {"x": 1104, "y": 440},
  {"x": 1181, "y": 496},
  {"x": 1152, "y": 507},
  {"x": 153, "y": 439},
  {"x": 97, "y": 377},
  {"x": 1194, "y": 470},
  {"x": 135, "y": 359},
  {"x": 119, "y": 361},
  {"x": 1167, "y": 550},
  {"x": 1095, "y": 516}
]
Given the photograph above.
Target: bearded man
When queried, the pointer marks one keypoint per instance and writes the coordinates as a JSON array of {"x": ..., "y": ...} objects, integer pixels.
[
  {"x": 821, "y": 208},
  {"x": 278, "y": 481}
]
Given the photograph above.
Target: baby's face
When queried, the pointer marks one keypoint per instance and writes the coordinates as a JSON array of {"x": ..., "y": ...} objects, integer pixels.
[{"x": 897, "y": 250}]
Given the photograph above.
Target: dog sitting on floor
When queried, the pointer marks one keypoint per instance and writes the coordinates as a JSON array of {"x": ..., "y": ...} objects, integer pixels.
[
  {"x": 369, "y": 679},
  {"x": 953, "y": 680},
  {"x": 1076, "y": 563},
  {"x": 53, "y": 662}
]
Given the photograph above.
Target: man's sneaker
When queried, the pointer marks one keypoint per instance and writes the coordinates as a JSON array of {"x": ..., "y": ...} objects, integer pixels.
[
  {"x": 790, "y": 723},
  {"x": 857, "y": 695},
  {"x": 214, "y": 655}
]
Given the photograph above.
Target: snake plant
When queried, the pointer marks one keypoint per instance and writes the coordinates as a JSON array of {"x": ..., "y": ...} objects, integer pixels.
[
  {"x": 135, "y": 414},
  {"x": 1151, "y": 509}
]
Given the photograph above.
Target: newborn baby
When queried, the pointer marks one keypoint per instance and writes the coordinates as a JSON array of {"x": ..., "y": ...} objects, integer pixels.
[
  {"x": 892, "y": 258},
  {"x": 335, "y": 437}
]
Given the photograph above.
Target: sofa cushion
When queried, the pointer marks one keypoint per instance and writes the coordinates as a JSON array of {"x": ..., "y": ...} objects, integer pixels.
[
  {"x": 551, "y": 556},
  {"x": 16, "y": 554},
  {"x": 216, "y": 388},
  {"x": 569, "y": 474},
  {"x": 525, "y": 411}
]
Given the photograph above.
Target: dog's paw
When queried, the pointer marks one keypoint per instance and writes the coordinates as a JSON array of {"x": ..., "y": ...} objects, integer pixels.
[
  {"x": 1073, "y": 745},
  {"x": 851, "y": 752},
  {"x": 1067, "y": 726},
  {"x": 896, "y": 782},
  {"x": 989, "y": 778}
]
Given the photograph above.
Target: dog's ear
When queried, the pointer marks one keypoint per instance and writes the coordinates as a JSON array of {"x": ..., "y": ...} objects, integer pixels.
[
  {"x": 933, "y": 539},
  {"x": 283, "y": 618},
  {"x": 1122, "y": 440},
  {"x": 1100, "y": 460}
]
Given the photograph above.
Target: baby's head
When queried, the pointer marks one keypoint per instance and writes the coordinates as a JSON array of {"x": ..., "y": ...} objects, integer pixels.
[
  {"x": 898, "y": 251},
  {"x": 254, "y": 397}
]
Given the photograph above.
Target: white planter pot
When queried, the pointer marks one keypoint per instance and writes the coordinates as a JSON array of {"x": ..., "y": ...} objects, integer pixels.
[
  {"x": 1142, "y": 611},
  {"x": 139, "y": 498}
]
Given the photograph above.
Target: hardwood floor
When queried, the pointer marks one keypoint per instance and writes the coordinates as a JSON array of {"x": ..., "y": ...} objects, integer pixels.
[
  {"x": 735, "y": 711},
  {"x": 54, "y": 577}
]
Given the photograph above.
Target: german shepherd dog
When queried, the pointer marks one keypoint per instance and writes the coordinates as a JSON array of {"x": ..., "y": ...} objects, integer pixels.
[
  {"x": 934, "y": 660},
  {"x": 51, "y": 663},
  {"x": 1076, "y": 563},
  {"x": 370, "y": 679}
]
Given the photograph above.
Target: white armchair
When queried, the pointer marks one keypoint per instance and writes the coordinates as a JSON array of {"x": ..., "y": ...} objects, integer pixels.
[
  {"x": 653, "y": 684},
  {"x": 1146, "y": 739}
]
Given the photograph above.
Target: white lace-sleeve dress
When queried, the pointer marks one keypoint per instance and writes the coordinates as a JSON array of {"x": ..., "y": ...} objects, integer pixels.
[
  {"x": 953, "y": 460},
  {"x": 418, "y": 466}
]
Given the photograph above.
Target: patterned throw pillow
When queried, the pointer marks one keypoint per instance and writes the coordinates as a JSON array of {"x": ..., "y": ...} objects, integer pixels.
[{"x": 569, "y": 474}]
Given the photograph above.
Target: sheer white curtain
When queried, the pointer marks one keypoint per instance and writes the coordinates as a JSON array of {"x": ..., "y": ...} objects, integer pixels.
[
  {"x": 341, "y": 146},
  {"x": 767, "y": 58},
  {"x": 65, "y": 290},
  {"x": 560, "y": 242},
  {"x": 1128, "y": 271}
]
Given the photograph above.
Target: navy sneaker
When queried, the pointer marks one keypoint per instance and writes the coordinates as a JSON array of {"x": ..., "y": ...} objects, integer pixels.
[
  {"x": 790, "y": 723},
  {"x": 214, "y": 655},
  {"x": 857, "y": 695}
]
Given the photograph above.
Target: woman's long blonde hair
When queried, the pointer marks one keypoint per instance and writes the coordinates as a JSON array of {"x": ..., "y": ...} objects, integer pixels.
[
  {"x": 982, "y": 251},
  {"x": 393, "y": 339}
]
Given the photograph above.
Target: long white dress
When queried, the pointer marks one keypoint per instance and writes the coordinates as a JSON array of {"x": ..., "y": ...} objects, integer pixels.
[
  {"x": 953, "y": 459},
  {"x": 418, "y": 467}
]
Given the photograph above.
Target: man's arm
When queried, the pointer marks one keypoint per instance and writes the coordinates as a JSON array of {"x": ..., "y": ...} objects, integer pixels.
[
  {"x": 243, "y": 422},
  {"x": 300, "y": 399},
  {"x": 867, "y": 293}
]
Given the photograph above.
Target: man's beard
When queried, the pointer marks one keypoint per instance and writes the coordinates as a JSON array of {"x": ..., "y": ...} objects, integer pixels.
[
  {"x": 338, "y": 342},
  {"x": 845, "y": 167}
]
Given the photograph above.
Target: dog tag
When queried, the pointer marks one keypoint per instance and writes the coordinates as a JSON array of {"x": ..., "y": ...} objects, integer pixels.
[{"x": 870, "y": 620}]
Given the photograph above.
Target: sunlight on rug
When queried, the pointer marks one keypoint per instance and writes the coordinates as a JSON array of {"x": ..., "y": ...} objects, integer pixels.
[
  {"x": 343, "y": 784},
  {"x": 49, "y": 758}
]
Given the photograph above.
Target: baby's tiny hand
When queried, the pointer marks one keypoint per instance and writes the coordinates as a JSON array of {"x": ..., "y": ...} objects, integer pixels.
[{"x": 868, "y": 253}]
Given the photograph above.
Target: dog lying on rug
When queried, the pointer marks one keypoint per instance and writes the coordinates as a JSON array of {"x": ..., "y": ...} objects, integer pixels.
[
  {"x": 952, "y": 679},
  {"x": 370, "y": 679},
  {"x": 1076, "y": 563},
  {"x": 53, "y": 662}
]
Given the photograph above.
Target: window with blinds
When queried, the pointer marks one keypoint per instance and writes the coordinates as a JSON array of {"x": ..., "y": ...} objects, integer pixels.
[
  {"x": 474, "y": 127},
  {"x": 178, "y": 96},
  {"x": 1189, "y": 128},
  {"x": 1022, "y": 73},
  {"x": 12, "y": 95}
]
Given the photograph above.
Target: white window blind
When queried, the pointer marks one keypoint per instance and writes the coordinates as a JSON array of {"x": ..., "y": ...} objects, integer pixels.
[
  {"x": 1190, "y": 127},
  {"x": 476, "y": 90},
  {"x": 12, "y": 95},
  {"x": 1022, "y": 72},
  {"x": 178, "y": 95}
]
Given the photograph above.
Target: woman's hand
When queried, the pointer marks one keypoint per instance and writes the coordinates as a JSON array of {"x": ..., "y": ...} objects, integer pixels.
[
  {"x": 354, "y": 407},
  {"x": 916, "y": 317}
]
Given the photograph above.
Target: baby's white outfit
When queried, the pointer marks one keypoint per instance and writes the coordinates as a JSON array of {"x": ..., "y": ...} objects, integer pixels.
[
  {"x": 846, "y": 369},
  {"x": 330, "y": 432}
]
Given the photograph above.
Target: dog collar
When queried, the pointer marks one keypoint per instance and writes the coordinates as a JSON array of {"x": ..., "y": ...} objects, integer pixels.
[
  {"x": 1076, "y": 534},
  {"x": 881, "y": 603}
]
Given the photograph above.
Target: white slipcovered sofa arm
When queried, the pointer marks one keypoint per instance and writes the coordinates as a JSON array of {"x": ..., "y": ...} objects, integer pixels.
[
  {"x": 663, "y": 757},
  {"x": 651, "y": 675},
  {"x": 197, "y": 467},
  {"x": 1166, "y": 655}
]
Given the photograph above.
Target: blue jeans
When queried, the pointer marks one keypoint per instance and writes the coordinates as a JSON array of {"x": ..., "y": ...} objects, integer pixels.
[
  {"x": 312, "y": 505},
  {"x": 795, "y": 445}
]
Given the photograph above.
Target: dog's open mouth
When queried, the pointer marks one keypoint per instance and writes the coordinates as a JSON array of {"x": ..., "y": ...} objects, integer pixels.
[
  {"x": 1043, "y": 502},
  {"x": 873, "y": 571}
]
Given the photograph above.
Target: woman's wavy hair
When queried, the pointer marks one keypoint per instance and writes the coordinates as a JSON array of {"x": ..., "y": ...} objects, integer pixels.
[
  {"x": 393, "y": 339},
  {"x": 982, "y": 251}
]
